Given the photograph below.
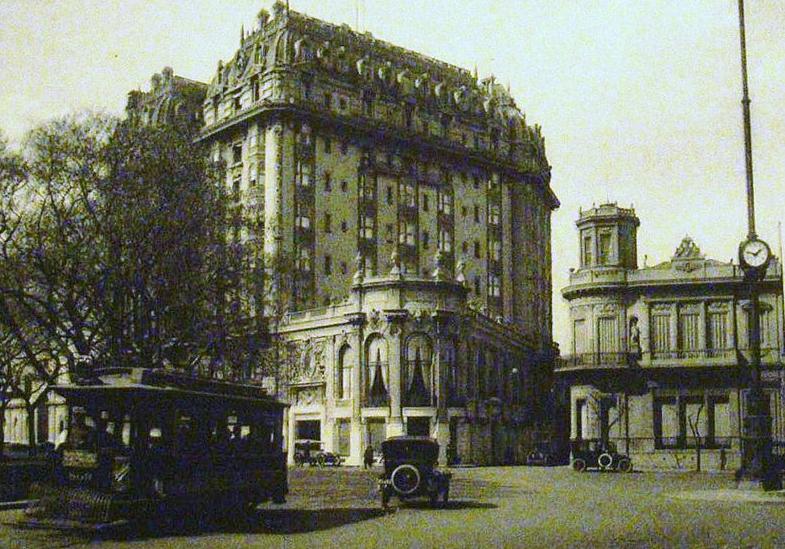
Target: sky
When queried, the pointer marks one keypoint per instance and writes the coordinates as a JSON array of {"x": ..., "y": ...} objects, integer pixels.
[{"x": 639, "y": 101}]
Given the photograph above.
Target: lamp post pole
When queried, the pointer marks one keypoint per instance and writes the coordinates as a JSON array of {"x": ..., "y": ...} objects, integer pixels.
[{"x": 754, "y": 255}]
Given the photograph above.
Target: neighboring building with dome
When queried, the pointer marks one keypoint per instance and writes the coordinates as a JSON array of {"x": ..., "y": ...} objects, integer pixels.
[
  {"x": 659, "y": 354},
  {"x": 401, "y": 207}
]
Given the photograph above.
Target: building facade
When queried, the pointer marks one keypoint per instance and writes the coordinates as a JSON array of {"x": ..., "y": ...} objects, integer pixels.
[
  {"x": 354, "y": 160},
  {"x": 659, "y": 355}
]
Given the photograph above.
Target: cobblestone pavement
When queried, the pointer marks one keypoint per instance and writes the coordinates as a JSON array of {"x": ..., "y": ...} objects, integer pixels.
[{"x": 490, "y": 507}]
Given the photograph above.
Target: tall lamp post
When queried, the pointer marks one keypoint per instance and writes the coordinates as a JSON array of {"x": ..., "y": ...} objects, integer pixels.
[{"x": 757, "y": 467}]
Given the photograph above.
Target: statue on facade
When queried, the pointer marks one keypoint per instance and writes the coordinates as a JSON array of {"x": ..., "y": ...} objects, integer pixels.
[{"x": 635, "y": 338}]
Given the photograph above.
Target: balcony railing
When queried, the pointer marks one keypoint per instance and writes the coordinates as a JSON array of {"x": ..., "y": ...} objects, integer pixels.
[
  {"x": 694, "y": 354},
  {"x": 596, "y": 360}
]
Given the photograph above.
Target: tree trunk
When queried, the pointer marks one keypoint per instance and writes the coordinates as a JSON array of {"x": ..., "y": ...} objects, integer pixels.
[
  {"x": 30, "y": 409},
  {"x": 2, "y": 430}
]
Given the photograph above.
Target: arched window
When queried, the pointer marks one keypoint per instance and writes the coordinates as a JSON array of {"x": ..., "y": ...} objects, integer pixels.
[
  {"x": 346, "y": 360},
  {"x": 481, "y": 373},
  {"x": 376, "y": 363},
  {"x": 419, "y": 354},
  {"x": 448, "y": 359}
]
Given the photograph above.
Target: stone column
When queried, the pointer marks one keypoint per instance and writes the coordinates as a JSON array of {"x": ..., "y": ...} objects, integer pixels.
[
  {"x": 395, "y": 376},
  {"x": 442, "y": 427},
  {"x": 289, "y": 430},
  {"x": 357, "y": 440},
  {"x": 273, "y": 197}
]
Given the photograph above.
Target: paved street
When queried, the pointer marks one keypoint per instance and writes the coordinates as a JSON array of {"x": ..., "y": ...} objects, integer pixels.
[{"x": 498, "y": 507}]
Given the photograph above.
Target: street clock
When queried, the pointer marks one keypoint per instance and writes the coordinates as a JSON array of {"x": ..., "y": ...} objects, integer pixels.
[{"x": 754, "y": 255}]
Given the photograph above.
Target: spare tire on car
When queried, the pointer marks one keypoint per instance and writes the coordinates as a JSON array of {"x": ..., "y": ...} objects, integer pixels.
[{"x": 405, "y": 479}]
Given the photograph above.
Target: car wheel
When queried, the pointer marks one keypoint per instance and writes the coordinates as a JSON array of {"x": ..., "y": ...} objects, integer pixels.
[
  {"x": 579, "y": 465},
  {"x": 605, "y": 461},
  {"x": 405, "y": 479},
  {"x": 625, "y": 465}
]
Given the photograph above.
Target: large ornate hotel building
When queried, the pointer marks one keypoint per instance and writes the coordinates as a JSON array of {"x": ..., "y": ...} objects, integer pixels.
[
  {"x": 660, "y": 354},
  {"x": 401, "y": 210},
  {"x": 399, "y": 190}
]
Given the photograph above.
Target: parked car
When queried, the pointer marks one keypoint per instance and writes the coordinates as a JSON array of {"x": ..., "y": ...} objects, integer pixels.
[
  {"x": 312, "y": 452},
  {"x": 410, "y": 472},
  {"x": 542, "y": 455},
  {"x": 598, "y": 454}
]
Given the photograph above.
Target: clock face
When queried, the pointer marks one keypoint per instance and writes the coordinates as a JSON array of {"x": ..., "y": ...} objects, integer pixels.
[{"x": 755, "y": 253}]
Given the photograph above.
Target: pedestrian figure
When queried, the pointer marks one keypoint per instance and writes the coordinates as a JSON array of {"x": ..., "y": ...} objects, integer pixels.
[{"x": 368, "y": 457}]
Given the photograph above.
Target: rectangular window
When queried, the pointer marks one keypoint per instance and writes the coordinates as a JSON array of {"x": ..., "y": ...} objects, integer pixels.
[
  {"x": 464, "y": 211},
  {"x": 445, "y": 240},
  {"x": 494, "y": 214},
  {"x": 328, "y": 222},
  {"x": 445, "y": 203},
  {"x": 389, "y": 195},
  {"x": 465, "y": 247},
  {"x": 304, "y": 260},
  {"x": 689, "y": 331},
  {"x": 237, "y": 153},
  {"x": 494, "y": 286},
  {"x": 303, "y": 222},
  {"x": 408, "y": 195},
  {"x": 328, "y": 186},
  {"x": 661, "y": 334},
  {"x": 328, "y": 265},
  {"x": 477, "y": 285},
  {"x": 579, "y": 337},
  {"x": 388, "y": 234},
  {"x": 303, "y": 174},
  {"x": 477, "y": 249},
  {"x": 344, "y": 226},
  {"x": 328, "y": 100},
  {"x": 667, "y": 426},
  {"x": 496, "y": 250},
  {"x": 476, "y": 213},
  {"x": 587, "y": 251},
  {"x": 607, "y": 335},
  {"x": 425, "y": 203},
  {"x": 366, "y": 229},
  {"x": 426, "y": 239},
  {"x": 344, "y": 186},
  {"x": 406, "y": 234},
  {"x": 717, "y": 337},
  {"x": 605, "y": 249}
]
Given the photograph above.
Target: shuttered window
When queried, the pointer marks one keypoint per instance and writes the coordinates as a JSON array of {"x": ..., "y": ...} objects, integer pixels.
[
  {"x": 607, "y": 335},
  {"x": 718, "y": 331},
  {"x": 661, "y": 333},
  {"x": 689, "y": 331}
]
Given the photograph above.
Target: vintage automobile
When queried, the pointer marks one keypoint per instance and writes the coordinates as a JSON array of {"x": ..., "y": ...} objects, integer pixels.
[
  {"x": 598, "y": 454},
  {"x": 542, "y": 455},
  {"x": 152, "y": 444},
  {"x": 312, "y": 452},
  {"x": 409, "y": 470}
]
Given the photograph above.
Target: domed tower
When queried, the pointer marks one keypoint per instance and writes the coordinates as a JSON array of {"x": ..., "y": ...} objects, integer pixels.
[{"x": 608, "y": 237}]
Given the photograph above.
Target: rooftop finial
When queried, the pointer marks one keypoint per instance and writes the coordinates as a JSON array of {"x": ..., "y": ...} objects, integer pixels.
[{"x": 242, "y": 34}]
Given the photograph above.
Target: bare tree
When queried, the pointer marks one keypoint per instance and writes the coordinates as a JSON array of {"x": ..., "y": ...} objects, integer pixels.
[{"x": 694, "y": 423}]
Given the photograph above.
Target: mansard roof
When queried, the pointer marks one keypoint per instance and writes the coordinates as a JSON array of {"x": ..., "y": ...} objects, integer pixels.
[
  {"x": 172, "y": 99},
  {"x": 359, "y": 60}
]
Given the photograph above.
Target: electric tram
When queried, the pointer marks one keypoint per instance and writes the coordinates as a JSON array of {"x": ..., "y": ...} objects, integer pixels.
[{"x": 145, "y": 443}]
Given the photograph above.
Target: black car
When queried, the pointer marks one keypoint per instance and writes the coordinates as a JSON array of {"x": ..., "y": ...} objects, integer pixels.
[
  {"x": 598, "y": 454},
  {"x": 409, "y": 470},
  {"x": 542, "y": 455},
  {"x": 311, "y": 452}
]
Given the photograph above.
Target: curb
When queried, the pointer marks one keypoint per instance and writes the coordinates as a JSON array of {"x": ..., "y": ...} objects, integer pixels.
[{"x": 10, "y": 505}]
